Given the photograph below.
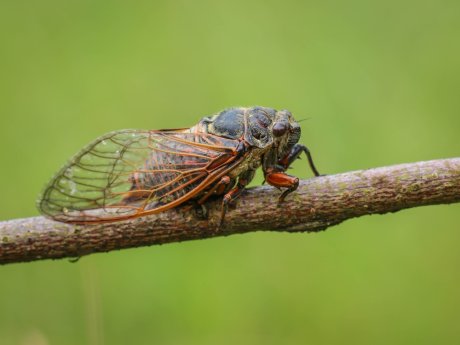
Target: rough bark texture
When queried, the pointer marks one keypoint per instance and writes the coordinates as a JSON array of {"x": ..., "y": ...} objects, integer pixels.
[{"x": 318, "y": 204}]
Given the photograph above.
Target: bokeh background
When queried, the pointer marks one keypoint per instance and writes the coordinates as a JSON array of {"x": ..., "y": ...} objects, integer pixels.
[{"x": 379, "y": 84}]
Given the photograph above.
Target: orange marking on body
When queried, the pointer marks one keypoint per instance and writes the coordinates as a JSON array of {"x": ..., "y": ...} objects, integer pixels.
[{"x": 280, "y": 180}]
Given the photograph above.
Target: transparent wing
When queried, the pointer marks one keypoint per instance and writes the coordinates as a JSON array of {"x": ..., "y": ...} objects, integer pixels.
[{"x": 130, "y": 173}]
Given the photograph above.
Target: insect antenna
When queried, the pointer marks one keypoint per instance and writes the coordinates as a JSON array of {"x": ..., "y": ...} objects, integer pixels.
[{"x": 304, "y": 119}]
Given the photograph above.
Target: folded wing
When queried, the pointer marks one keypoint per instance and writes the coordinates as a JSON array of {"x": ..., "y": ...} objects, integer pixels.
[{"x": 131, "y": 173}]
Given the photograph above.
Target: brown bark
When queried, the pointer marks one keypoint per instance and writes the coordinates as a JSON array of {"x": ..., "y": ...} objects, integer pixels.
[{"x": 319, "y": 203}]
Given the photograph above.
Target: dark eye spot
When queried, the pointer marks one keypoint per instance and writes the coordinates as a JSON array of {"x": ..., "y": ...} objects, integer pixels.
[
  {"x": 229, "y": 123},
  {"x": 256, "y": 133},
  {"x": 260, "y": 117},
  {"x": 280, "y": 128}
]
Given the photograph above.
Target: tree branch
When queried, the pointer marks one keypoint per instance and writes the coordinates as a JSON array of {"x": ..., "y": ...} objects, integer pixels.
[{"x": 318, "y": 204}]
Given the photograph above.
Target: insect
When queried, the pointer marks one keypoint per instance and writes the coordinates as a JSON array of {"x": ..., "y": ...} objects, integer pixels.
[{"x": 132, "y": 173}]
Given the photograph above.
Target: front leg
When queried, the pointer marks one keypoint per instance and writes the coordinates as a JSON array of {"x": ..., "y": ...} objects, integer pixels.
[
  {"x": 280, "y": 179},
  {"x": 295, "y": 152}
]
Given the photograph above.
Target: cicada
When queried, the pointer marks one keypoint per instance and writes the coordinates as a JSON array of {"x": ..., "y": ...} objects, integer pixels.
[{"x": 132, "y": 173}]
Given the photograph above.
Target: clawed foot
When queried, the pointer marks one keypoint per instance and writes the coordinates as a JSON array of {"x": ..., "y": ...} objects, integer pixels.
[{"x": 200, "y": 210}]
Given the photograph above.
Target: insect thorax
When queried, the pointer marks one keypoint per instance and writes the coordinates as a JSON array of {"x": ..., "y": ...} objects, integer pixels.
[
  {"x": 270, "y": 133},
  {"x": 258, "y": 126},
  {"x": 252, "y": 124}
]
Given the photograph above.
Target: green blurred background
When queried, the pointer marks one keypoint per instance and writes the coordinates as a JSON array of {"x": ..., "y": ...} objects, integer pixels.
[{"x": 379, "y": 82}]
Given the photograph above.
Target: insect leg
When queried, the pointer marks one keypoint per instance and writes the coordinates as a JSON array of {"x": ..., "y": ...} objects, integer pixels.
[
  {"x": 279, "y": 179},
  {"x": 295, "y": 152},
  {"x": 218, "y": 189},
  {"x": 243, "y": 181}
]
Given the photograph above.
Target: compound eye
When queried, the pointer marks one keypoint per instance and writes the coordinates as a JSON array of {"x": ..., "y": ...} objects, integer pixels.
[{"x": 280, "y": 128}]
